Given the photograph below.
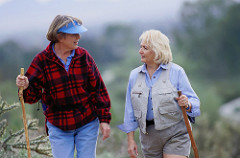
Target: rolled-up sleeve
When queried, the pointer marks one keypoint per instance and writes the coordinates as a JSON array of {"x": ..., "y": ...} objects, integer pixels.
[{"x": 130, "y": 124}]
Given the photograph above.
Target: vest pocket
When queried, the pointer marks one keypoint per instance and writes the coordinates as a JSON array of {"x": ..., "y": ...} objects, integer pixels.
[
  {"x": 138, "y": 93},
  {"x": 138, "y": 116},
  {"x": 137, "y": 98},
  {"x": 169, "y": 114},
  {"x": 166, "y": 95}
]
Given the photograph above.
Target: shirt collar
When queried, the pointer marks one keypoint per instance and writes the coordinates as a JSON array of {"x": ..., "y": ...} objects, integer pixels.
[
  {"x": 73, "y": 53},
  {"x": 163, "y": 66}
]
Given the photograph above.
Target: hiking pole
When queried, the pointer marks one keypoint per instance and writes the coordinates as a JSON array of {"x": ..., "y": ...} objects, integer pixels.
[
  {"x": 194, "y": 146},
  {"x": 24, "y": 115}
]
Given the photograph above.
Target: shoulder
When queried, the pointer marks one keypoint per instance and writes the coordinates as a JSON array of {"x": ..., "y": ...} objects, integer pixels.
[
  {"x": 80, "y": 52},
  {"x": 136, "y": 70},
  {"x": 176, "y": 69},
  {"x": 83, "y": 53},
  {"x": 47, "y": 53},
  {"x": 39, "y": 57},
  {"x": 134, "y": 73}
]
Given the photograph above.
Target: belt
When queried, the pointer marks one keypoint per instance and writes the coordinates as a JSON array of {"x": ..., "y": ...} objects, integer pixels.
[{"x": 148, "y": 123}]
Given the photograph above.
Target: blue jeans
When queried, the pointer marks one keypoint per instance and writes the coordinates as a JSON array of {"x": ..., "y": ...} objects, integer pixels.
[{"x": 63, "y": 143}]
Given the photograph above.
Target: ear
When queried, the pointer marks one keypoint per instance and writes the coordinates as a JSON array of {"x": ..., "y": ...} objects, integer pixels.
[{"x": 60, "y": 37}]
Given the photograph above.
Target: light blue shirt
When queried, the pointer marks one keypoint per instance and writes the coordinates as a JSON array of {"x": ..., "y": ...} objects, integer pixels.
[
  {"x": 179, "y": 80},
  {"x": 69, "y": 58}
]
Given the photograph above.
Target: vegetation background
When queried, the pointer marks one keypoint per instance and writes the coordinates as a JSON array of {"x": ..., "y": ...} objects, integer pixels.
[{"x": 204, "y": 41}]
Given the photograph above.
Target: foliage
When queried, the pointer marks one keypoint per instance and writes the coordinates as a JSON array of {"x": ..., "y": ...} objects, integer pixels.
[
  {"x": 11, "y": 142},
  {"x": 218, "y": 140}
]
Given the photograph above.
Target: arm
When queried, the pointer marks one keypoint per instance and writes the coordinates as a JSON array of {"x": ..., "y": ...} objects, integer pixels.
[
  {"x": 132, "y": 146},
  {"x": 98, "y": 90},
  {"x": 32, "y": 82},
  {"x": 189, "y": 99},
  {"x": 101, "y": 99},
  {"x": 130, "y": 124}
]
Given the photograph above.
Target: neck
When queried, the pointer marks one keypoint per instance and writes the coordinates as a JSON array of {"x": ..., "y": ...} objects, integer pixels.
[
  {"x": 151, "y": 68},
  {"x": 61, "y": 50}
]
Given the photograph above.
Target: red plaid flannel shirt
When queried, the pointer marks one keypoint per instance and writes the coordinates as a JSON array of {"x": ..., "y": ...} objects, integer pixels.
[{"x": 73, "y": 98}]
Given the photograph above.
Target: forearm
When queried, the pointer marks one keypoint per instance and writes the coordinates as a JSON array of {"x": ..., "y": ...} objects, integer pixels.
[{"x": 130, "y": 136}]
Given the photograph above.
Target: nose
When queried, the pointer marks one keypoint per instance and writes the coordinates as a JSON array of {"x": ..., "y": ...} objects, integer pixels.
[{"x": 140, "y": 51}]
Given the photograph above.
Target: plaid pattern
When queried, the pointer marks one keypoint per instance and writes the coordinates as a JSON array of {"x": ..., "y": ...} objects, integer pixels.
[{"x": 72, "y": 98}]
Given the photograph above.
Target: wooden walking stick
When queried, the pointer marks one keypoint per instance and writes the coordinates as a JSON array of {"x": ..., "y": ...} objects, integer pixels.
[
  {"x": 194, "y": 146},
  {"x": 24, "y": 115}
]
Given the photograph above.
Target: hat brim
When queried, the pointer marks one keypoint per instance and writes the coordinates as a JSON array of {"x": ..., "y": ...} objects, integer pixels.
[{"x": 73, "y": 29}]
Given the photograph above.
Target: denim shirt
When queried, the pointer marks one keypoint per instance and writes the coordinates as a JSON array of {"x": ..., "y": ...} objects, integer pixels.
[{"x": 179, "y": 80}]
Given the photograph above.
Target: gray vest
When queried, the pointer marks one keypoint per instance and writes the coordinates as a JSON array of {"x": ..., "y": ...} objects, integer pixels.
[{"x": 166, "y": 110}]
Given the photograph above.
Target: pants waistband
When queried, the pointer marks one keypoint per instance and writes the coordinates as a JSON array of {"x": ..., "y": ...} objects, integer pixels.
[{"x": 148, "y": 123}]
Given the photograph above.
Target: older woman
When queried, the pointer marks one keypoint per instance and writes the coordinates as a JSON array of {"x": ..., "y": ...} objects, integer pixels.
[
  {"x": 152, "y": 102},
  {"x": 65, "y": 77}
]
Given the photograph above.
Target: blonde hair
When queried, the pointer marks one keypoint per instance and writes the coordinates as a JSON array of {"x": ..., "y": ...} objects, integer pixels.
[
  {"x": 58, "y": 22},
  {"x": 159, "y": 43}
]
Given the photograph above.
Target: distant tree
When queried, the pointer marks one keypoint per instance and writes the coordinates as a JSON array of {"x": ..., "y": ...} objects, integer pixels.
[
  {"x": 111, "y": 46},
  {"x": 12, "y": 58},
  {"x": 209, "y": 37}
]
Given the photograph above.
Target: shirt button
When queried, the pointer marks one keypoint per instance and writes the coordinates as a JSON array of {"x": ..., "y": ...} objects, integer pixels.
[{"x": 154, "y": 76}]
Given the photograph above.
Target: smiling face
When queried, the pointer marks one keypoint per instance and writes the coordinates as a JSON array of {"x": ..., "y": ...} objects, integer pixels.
[
  {"x": 69, "y": 41},
  {"x": 147, "y": 54}
]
